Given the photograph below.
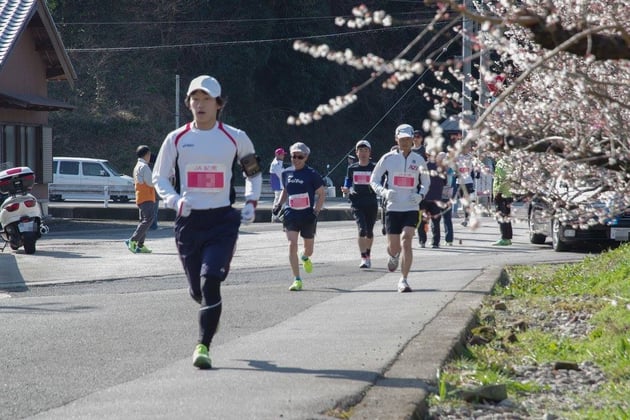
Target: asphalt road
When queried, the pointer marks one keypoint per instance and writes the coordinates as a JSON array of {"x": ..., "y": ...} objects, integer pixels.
[{"x": 92, "y": 331}]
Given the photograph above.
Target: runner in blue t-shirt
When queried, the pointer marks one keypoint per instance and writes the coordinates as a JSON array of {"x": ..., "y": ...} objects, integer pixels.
[{"x": 305, "y": 194}]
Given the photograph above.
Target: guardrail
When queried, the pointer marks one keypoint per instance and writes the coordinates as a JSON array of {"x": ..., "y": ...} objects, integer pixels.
[
  {"x": 264, "y": 193},
  {"x": 58, "y": 192},
  {"x": 107, "y": 193},
  {"x": 267, "y": 193}
]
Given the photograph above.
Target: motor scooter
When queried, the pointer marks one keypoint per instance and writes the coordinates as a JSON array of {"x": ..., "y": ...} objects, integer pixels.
[{"x": 20, "y": 212}]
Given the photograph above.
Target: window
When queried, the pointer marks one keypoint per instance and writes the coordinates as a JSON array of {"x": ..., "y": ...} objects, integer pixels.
[
  {"x": 31, "y": 148},
  {"x": 93, "y": 169},
  {"x": 68, "y": 168},
  {"x": 21, "y": 145},
  {"x": 9, "y": 150}
]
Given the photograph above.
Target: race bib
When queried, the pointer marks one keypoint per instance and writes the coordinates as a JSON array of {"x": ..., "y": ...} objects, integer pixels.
[
  {"x": 204, "y": 177},
  {"x": 361, "y": 177},
  {"x": 299, "y": 201},
  {"x": 406, "y": 181}
]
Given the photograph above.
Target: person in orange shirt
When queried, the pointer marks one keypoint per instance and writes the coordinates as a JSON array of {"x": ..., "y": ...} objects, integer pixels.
[{"x": 145, "y": 200}]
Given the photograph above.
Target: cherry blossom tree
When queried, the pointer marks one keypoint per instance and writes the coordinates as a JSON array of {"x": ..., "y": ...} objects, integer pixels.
[{"x": 552, "y": 96}]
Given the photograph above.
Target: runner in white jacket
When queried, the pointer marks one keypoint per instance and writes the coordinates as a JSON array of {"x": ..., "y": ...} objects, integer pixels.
[
  {"x": 201, "y": 155},
  {"x": 407, "y": 182}
]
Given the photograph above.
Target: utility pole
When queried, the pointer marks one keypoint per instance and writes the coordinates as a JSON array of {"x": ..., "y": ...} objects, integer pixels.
[
  {"x": 177, "y": 101},
  {"x": 467, "y": 27},
  {"x": 484, "y": 61}
]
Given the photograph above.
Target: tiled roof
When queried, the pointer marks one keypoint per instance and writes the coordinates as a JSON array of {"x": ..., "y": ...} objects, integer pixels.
[
  {"x": 14, "y": 17},
  {"x": 18, "y": 15}
]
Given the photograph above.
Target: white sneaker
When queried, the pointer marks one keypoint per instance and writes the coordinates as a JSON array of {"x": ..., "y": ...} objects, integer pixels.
[
  {"x": 392, "y": 263},
  {"x": 365, "y": 263},
  {"x": 403, "y": 286}
]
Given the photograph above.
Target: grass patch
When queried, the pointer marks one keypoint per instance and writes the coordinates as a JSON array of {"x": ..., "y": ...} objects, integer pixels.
[{"x": 577, "y": 313}]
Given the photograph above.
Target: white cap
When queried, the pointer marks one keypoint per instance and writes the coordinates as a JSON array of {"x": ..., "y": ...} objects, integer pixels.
[
  {"x": 363, "y": 143},
  {"x": 404, "y": 130},
  {"x": 205, "y": 83},
  {"x": 300, "y": 147}
]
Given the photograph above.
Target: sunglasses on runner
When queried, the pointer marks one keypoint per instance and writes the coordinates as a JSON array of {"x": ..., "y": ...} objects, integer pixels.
[{"x": 299, "y": 157}]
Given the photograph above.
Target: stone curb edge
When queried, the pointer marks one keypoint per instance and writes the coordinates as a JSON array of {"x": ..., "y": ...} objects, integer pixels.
[{"x": 402, "y": 391}]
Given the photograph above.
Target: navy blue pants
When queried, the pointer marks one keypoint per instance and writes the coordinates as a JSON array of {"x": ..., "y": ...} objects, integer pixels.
[
  {"x": 365, "y": 216},
  {"x": 431, "y": 207},
  {"x": 206, "y": 241}
]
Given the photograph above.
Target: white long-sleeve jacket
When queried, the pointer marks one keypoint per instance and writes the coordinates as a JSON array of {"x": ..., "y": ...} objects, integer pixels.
[
  {"x": 466, "y": 165},
  {"x": 204, "y": 159},
  {"x": 405, "y": 175}
]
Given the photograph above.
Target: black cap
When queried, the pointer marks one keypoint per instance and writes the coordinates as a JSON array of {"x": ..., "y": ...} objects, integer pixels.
[{"x": 142, "y": 150}]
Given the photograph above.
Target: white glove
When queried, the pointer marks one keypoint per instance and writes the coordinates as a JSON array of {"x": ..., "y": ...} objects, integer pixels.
[
  {"x": 248, "y": 213},
  {"x": 389, "y": 195},
  {"x": 183, "y": 207},
  {"x": 416, "y": 198}
]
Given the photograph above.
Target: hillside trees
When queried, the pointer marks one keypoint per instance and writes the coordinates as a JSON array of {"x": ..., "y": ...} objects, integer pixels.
[{"x": 127, "y": 54}]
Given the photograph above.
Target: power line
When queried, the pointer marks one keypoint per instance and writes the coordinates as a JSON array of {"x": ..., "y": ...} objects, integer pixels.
[
  {"x": 231, "y": 21},
  {"x": 391, "y": 108},
  {"x": 244, "y": 42}
]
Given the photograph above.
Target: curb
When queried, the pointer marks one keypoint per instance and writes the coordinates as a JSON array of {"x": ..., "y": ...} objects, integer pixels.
[{"x": 402, "y": 391}]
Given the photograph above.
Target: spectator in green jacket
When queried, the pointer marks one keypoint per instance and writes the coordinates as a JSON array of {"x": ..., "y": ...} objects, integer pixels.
[{"x": 503, "y": 201}]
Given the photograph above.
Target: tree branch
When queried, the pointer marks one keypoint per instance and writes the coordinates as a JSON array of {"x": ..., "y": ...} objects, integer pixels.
[{"x": 600, "y": 46}]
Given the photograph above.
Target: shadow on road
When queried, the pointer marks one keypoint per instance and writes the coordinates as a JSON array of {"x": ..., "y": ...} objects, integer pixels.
[{"x": 10, "y": 276}]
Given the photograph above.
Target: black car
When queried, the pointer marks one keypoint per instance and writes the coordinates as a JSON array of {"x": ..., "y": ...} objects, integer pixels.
[{"x": 598, "y": 224}]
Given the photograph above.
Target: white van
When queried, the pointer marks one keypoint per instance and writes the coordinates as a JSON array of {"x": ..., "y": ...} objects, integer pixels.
[{"x": 88, "y": 179}]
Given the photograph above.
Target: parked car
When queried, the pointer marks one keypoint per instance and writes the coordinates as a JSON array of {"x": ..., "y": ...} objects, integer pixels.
[
  {"x": 601, "y": 223},
  {"x": 76, "y": 178}
]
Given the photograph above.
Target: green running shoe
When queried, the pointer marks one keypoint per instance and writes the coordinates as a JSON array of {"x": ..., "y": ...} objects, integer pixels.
[
  {"x": 132, "y": 245},
  {"x": 307, "y": 263},
  {"x": 143, "y": 250},
  {"x": 201, "y": 359},
  {"x": 502, "y": 242},
  {"x": 296, "y": 286}
]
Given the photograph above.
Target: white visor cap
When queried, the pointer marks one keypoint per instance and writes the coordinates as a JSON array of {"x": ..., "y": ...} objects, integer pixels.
[{"x": 207, "y": 84}]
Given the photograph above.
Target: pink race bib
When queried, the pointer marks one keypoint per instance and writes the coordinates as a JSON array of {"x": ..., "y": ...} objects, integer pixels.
[
  {"x": 205, "y": 177},
  {"x": 404, "y": 181},
  {"x": 299, "y": 201},
  {"x": 361, "y": 177}
]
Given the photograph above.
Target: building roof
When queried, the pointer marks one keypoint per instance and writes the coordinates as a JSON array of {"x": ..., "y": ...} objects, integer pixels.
[
  {"x": 32, "y": 102},
  {"x": 18, "y": 15}
]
